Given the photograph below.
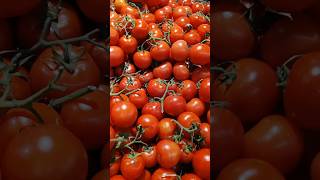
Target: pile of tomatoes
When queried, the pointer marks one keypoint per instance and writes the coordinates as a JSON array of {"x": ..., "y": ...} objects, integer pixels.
[
  {"x": 53, "y": 93},
  {"x": 159, "y": 89},
  {"x": 266, "y": 89}
]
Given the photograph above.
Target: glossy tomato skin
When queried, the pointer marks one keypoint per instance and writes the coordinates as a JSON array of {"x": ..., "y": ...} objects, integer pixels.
[
  {"x": 301, "y": 97},
  {"x": 244, "y": 167},
  {"x": 288, "y": 5},
  {"x": 86, "y": 118},
  {"x": 228, "y": 137},
  {"x": 139, "y": 98},
  {"x": 282, "y": 149},
  {"x": 46, "y": 66},
  {"x": 250, "y": 106},
  {"x": 190, "y": 176},
  {"x": 150, "y": 125},
  {"x": 201, "y": 163},
  {"x": 165, "y": 159},
  {"x": 47, "y": 143},
  {"x": 164, "y": 174},
  {"x": 150, "y": 157},
  {"x": 179, "y": 51},
  {"x": 163, "y": 71},
  {"x": 181, "y": 71},
  {"x": 200, "y": 54},
  {"x": 188, "y": 89},
  {"x": 128, "y": 44},
  {"x": 204, "y": 92},
  {"x": 196, "y": 106},
  {"x": 228, "y": 44},
  {"x": 161, "y": 51},
  {"x": 99, "y": 55},
  {"x": 174, "y": 105},
  {"x": 116, "y": 56},
  {"x": 17, "y": 7},
  {"x": 299, "y": 36},
  {"x": 166, "y": 128},
  {"x": 132, "y": 167},
  {"x": 153, "y": 108},
  {"x": 156, "y": 87},
  {"x": 95, "y": 10},
  {"x": 142, "y": 59},
  {"x": 123, "y": 114}
]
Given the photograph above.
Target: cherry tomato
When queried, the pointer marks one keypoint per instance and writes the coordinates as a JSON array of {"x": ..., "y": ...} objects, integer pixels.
[
  {"x": 166, "y": 128},
  {"x": 165, "y": 159},
  {"x": 188, "y": 89},
  {"x": 181, "y": 71},
  {"x": 128, "y": 44},
  {"x": 132, "y": 166},
  {"x": 174, "y": 105},
  {"x": 179, "y": 51},
  {"x": 196, "y": 106},
  {"x": 163, "y": 174},
  {"x": 116, "y": 56},
  {"x": 123, "y": 114},
  {"x": 142, "y": 59},
  {"x": 156, "y": 87},
  {"x": 150, "y": 157},
  {"x": 161, "y": 51},
  {"x": 153, "y": 108},
  {"x": 201, "y": 163},
  {"x": 149, "y": 123},
  {"x": 200, "y": 54},
  {"x": 163, "y": 71}
]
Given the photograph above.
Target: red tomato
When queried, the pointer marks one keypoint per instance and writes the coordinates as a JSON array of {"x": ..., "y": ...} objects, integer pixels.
[
  {"x": 174, "y": 105},
  {"x": 140, "y": 30},
  {"x": 192, "y": 37},
  {"x": 179, "y": 51},
  {"x": 187, "y": 89},
  {"x": 165, "y": 159},
  {"x": 153, "y": 108},
  {"x": 205, "y": 134},
  {"x": 190, "y": 176},
  {"x": 164, "y": 174},
  {"x": 200, "y": 54},
  {"x": 163, "y": 71},
  {"x": 166, "y": 128},
  {"x": 45, "y": 143},
  {"x": 132, "y": 166},
  {"x": 139, "y": 98},
  {"x": 186, "y": 119},
  {"x": 145, "y": 77},
  {"x": 128, "y": 44},
  {"x": 129, "y": 83},
  {"x": 204, "y": 92},
  {"x": 142, "y": 59},
  {"x": 196, "y": 106},
  {"x": 116, "y": 56},
  {"x": 156, "y": 87},
  {"x": 203, "y": 30},
  {"x": 123, "y": 114},
  {"x": 114, "y": 37},
  {"x": 245, "y": 167},
  {"x": 183, "y": 22},
  {"x": 149, "y": 18},
  {"x": 176, "y": 33},
  {"x": 150, "y": 157},
  {"x": 200, "y": 73},
  {"x": 197, "y": 19},
  {"x": 161, "y": 51},
  {"x": 201, "y": 163},
  {"x": 149, "y": 123},
  {"x": 181, "y": 71}
]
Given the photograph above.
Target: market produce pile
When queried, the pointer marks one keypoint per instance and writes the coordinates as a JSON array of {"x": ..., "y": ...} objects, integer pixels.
[
  {"x": 53, "y": 93},
  {"x": 266, "y": 89},
  {"x": 159, "y": 89}
]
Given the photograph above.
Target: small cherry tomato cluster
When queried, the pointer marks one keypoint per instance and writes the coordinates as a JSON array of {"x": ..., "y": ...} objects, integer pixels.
[
  {"x": 53, "y": 92},
  {"x": 266, "y": 90},
  {"x": 159, "y": 89}
]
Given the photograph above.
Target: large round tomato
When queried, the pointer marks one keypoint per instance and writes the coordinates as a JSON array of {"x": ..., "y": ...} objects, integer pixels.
[
  {"x": 301, "y": 97},
  {"x": 28, "y": 154},
  {"x": 82, "y": 70}
]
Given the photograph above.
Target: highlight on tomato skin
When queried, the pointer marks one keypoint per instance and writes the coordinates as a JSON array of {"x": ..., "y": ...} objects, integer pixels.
[
  {"x": 265, "y": 89},
  {"x": 160, "y": 89},
  {"x": 53, "y": 90}
]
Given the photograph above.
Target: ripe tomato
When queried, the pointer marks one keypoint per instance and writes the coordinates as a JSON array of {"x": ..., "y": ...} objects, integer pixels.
[
  {"x": 145, "y": 176},
  {"x": 45, "y": 143},
  {"x": 117, "y": 177},
  {"x": 99, "y": 55},
  {"x": 139, "y": 98},
  {"x": 86, "y": 118},
  {"x": 203, "y": 30},
  {"x": 228, "y": 137},
  {"x": 161, "y": 51},
  {"x": 180, "y": 11},
  {"x": 301, "y": 97},
  {"x": 140, "y": 30},
  {"x": 250, "y": 106},
  {"x": 200, "y": 73},
  {"x": 179, "y": 51},
  {"x": 145, "y": 77},
  {"x": 186, "y": 119},
  {"x": 188, "y": 89},
  {"x": 132, "y": 166},
  {"x": 165, "y": 159},
  {"x": 150, "y": 157},
  {"x": 244, "y": 167},
  {"x": 114, "y": 37},
  {"x": 196, "y": 20},
  {"x": 17, "y": 7},
  {"x": 192, "y": 37},
  {"x": 190, "y": 176},
  {"x": 129, "y": 83},
  {"x": 149, "y": 123},
  {"x": 116, "y": 56},
  {"x": 94, "y": 10},
  {"x": 153, "y": 108},
  {"x": 205, "y": 133},
  {"x": 183, "y": 22},
  {"x": 196, "y": 106},
  {"x": 128, "y": 44},
  {"x": 181, "y": 71},
  {"x": 142, "y": 59},
  {"x": 149, "y": 18},
  {"x": 200, "y": 54},
  {"x": 166, "y": 128},
  {"x": 129, "y": 11},
  {"x": 156, "y": 87},
  {"x": 229, "y": 45},
  {"x": 123, "y": 114},
  {"x": 176, "y": 33},
  {"x": 201, "y": 163},
  {"x": 174, "y": 105},
  {"x": 163, "y": 71},
  {"x": 282, "y": 148},
  {"x": 204, "y": 92},
  {"x": 164, "y": 174},
  {"x": 83, "y": 72}
]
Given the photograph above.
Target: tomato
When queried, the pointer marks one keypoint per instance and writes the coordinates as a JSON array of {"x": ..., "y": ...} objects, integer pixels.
[
  {"x": 161, "y": 51},
  {"x": 129, "y": 11},
  {"x": 139, "y": 98},
  {"x": 186, "y": 153},
  {"x": 128, "y": 44},
  {"x": 176, "y": 33},
  {"x": 181, "y": 71},
  {"x": 200, "y": 54},
  {"x": 68, "y": 24},
  {"x": 192, "y": 37},
  {"x": 163, "y": 174},
  {"x": 186, "y": 119},
  {"x": 203, "y": 30},
  {"x": 145, "y": 176},
  {"x": 183, "y": 22},
  {"x": 150, "y": 157},
  {"x": 196, "y": 20},
  {"x": 45, "y": 143},
  {"x": 114, "y": 37},
  {"x": 230, "y": 45},
  {"x": 150, "y": 125},
  {"x": 129, "y": 83},
  {"x": 142, "y": 59},
  {"x": 289, "y": 6},
  {"x": 201, "y": 163},
  {"x": 161, "y": 15},
  {"x": 163, "y": 71},
  {"x": 299, "y": 36},
  {"x": 244, "y": 167},
  {"x": 200, "y": 73},
  {"x": 145, "y": 77},
  {"x": 119, "y": 4},
  {"x": 94, "y": 10},
  {"x": 153, "y": 108},
  {"x": 156, "y": 87},
  {"x": 115, "y": 166},
  {"x": 228, "y": 137},
  {"x": 282, "y": 148},
  {"x": 123, "y": 114},
  {"x": 205, "y": 133},
  {"x": 190, "y": 176},
  {"x": 166, "y": 128},
  {"x": 196, "y": 106},
  {"x": 126, "y": 68},
  {"x": 132, "y": 166},
  {"x": 47, "y": 66},
  {"x": 180, "y": 11},
  {"x": 165, "y": 159},
  {"x": 174, "y": 105},
  {"x": 117, "y": 177},
  {"x": 187, "y": 89},
  {"x": 250, "y": 106},
  {"x": 179, "y": 51},
  {"x": 101, "y": 175},
  {"x": 197, "y": 6},
  {"x": 6, "y": 35},
  {"x": 116, "y": 56},
  {"x": 17, "y": 7},
  {"x": 140, "y": 30},
  {"x": 149, "y": 18},
  {"x": 301, "y": 97},
  {"x": 86, "y": 118}
]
